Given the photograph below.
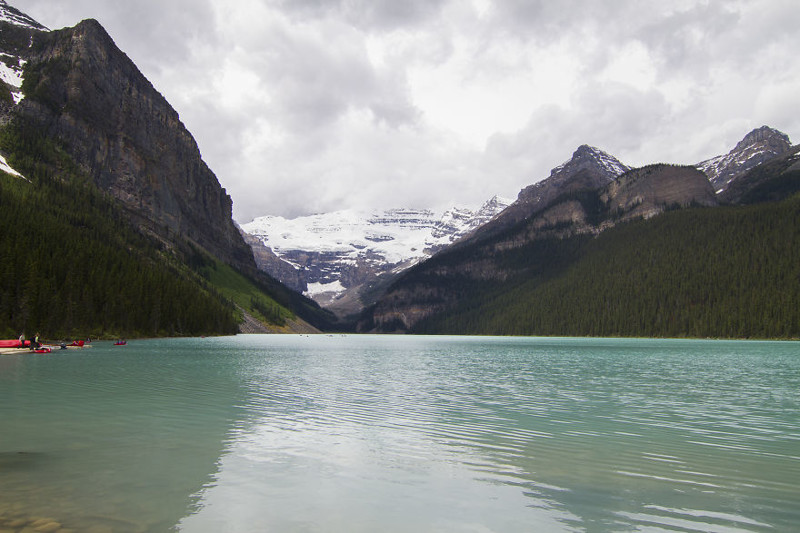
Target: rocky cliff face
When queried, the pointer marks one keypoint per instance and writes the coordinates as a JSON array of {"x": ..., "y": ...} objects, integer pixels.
[
  {"x": 270, "y": 263},
  {"x": 648, "y": 191},
  {"x": 82, "y": 92},
  {"x": 757, "y": 147}
]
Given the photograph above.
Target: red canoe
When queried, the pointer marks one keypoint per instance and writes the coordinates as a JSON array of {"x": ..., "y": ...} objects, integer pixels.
[{"x": 13, "y": 343}]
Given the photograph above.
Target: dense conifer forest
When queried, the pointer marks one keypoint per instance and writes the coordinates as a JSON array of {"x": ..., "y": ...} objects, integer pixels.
[
  {"x": 72, "y": 265},
  {"x": 703, "y": 272}
]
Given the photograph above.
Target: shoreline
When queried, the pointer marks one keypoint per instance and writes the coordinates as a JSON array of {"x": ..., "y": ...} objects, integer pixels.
[{"x": 53, "y": 348}]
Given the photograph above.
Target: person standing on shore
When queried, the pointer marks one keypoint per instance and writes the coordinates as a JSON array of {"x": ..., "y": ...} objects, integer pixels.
[
  {"x": 22, "y": 340},
  {"x": 35, "y": 341}
]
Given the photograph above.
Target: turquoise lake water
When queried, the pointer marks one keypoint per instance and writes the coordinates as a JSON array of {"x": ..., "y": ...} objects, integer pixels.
[{"x": 404, "y": 434}]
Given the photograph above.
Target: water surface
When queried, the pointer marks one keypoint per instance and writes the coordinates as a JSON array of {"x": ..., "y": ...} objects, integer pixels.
[{"x": 380, "y": 433}]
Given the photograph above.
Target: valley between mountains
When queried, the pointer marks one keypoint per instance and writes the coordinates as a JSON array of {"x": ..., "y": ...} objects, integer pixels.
[{"x": 114, "y": 226}]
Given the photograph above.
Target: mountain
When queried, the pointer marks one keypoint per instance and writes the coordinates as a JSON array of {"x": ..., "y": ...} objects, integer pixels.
[
  {"x": 89, "y": 98},
  {"x": 757, "y": 147},
  {"x": 728, "y": 271},
  {"x": 588, "y": 169},
  {"x": 342, "y": 258},
  {"x": 76, "y": 114},
  {"x": 772, "y": 180},
  {"x": 604, "y": 251}
]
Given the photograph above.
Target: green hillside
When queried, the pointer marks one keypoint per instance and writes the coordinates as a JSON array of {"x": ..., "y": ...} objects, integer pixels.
[{"x": 718, "y": 272}]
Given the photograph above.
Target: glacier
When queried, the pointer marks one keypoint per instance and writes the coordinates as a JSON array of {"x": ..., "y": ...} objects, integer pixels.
[{"x": 330, "y": 247}]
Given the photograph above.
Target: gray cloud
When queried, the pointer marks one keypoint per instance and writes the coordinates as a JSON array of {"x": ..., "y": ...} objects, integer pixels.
[
  {"x": 312, "y": 105},
  {"x": 378, "y": 15},
  {"x": 154, "y": 32}
]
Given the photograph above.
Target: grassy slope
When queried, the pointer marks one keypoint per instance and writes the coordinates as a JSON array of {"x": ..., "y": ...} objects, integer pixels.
[{"x": 244, "y": 293}]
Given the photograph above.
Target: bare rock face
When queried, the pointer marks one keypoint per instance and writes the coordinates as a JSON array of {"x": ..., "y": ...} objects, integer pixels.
[
  {"x": 267, "y": 261},
  {"x": 82, "y": 92},
  {"x": 648, "y": 191}
]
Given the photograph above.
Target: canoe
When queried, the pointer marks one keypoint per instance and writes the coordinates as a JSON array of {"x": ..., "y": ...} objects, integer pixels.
[{"x": 13, "y": 343}]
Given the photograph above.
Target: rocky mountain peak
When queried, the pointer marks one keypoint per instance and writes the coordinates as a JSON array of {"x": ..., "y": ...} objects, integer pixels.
[
  {"x": 492, "y": 207},
  {"x": 758, "y": 146},
  {"x": 590, "y": 158},
  {"x": 16, "y": 17},
  {"x": 765, "y": 136},
  {"x": 588, "y": 169}
]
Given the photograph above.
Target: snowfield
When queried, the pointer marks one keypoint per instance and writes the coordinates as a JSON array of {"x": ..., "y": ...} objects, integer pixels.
[{"x": 325, "y": 245}]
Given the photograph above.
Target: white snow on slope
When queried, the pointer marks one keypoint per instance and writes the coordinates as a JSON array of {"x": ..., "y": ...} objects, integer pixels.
[
  {"x": 715, "y": 166},
  {"x": 12, "y": 75},
  {"x": 13, "y": 16},
  {"x": 397, "y": 235},
  {"x": 11, "y": 67},
  {"x": 316, "y": 289},
  {"x": 5, "y": 167}
]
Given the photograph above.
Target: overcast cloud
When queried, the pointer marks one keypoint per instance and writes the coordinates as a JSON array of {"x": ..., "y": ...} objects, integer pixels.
[{"x": 304, "y": 106}]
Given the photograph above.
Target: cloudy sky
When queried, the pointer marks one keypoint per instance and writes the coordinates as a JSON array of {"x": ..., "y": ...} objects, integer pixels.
[{"x": 307, "y": 106}]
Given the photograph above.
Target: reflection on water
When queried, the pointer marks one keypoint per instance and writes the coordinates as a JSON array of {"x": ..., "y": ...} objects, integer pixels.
[
  {"x": 112, "y": 438},
  {"x": 363, "y": 433},
  {"x": 442, "y": 434}
]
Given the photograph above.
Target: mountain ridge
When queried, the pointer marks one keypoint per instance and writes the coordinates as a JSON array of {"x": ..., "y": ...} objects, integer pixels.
[
  {"x": 589, "y": 168},
  {"x": 550, "y": 223}
]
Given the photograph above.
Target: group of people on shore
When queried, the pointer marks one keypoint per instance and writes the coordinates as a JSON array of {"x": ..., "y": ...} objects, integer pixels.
[{"x": 34, "y": 342}]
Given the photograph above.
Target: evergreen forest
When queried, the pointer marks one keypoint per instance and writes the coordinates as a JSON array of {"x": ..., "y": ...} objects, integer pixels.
[
  {"x": 731, "y": 272},
  {"x": 72, "y": 264}
]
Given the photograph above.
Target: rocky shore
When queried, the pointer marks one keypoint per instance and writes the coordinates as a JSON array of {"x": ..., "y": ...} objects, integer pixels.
[
  {"x": 16, "y": 517},
  {"x": 16, "y": 522}
]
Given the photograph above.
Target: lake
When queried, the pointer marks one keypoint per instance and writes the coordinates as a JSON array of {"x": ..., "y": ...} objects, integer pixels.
[{"x": 403, "y": 434}]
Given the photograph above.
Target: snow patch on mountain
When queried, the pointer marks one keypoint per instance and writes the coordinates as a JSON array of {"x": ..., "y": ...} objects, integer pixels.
[
  {"x": 317, "y": 289},
  {"x": 11, "y": 66},
  {"x": 5, "y": 167},
  {"x": 14, "y": 16},
  {"x": 11, "y": 69}
]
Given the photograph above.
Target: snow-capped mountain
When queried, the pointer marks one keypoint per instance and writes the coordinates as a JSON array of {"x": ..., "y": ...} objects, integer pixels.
[
  {"x": 345, "y": 250},
  {"x": 12, "y": 65},
  {"x": 758, "y": 146}
]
